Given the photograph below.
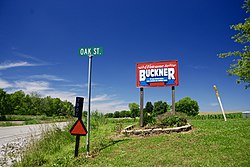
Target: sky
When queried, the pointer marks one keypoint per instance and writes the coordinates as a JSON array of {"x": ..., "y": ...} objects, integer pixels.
[{"x": 40, "y": 40}]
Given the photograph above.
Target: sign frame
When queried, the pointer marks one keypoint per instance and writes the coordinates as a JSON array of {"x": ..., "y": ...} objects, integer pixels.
[{"x": 163, "y": 73}]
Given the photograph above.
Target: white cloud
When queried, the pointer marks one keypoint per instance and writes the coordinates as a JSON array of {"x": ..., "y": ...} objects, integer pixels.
[
  {"x": 106, "y": 103},
  {"x": 47, "y": 77},
  {"x": 63, "y": 95},
  {"x": 5, "y": 66},
  {"x": 110, "y": 106},
  {"x": 29, "y": 87},
  {"x": 103, "y": 97},
  {"x": 4, "y": 84}
]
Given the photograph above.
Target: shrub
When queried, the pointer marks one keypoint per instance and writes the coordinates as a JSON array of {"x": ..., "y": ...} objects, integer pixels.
[
  {"x": 148, "y": 118},
  {"x": 187, "y": 106},
  {"x": 170, "y": 119}
]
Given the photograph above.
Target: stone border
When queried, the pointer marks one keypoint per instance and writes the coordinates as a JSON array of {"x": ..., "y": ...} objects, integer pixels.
[{"x": 143, "y": 132}]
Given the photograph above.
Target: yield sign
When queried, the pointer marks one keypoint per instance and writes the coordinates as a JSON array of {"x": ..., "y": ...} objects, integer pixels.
[{"x": 78, "y": 128}]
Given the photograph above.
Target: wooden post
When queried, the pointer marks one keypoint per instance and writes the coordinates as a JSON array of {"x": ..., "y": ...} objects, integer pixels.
[
  {"x": 173, "y": 99},
  {"x": 141, "y": 107}
]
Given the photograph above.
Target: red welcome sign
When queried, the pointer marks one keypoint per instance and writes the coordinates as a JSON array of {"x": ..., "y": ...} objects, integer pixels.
[{"x": 157, "y": 74}]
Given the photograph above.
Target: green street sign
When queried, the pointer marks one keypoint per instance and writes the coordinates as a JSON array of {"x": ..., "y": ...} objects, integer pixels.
[{"x": 93, "y": 51}]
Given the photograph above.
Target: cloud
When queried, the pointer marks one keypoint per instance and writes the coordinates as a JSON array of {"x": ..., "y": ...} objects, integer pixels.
[
  {"x": 29, "y": 87},
  {"x": 47, "y": 77},
  {"x": 5, "y": 66},
  {"x": 106, "y": 103},
  {"x": 43, "y": 88},
  {"x": 4, "y": 84},
  {"x": 31, "y": 58},
  {"x": 63, "y": 95},
  {"x": 103, "y": 97},
  {"x": 109, "y": 106}
]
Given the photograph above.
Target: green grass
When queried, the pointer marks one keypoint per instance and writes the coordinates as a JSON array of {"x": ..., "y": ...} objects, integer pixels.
[{"x": 210, "y": 143}]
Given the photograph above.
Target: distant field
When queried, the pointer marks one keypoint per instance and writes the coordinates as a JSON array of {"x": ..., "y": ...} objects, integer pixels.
[{"x": 217, "y": 112}]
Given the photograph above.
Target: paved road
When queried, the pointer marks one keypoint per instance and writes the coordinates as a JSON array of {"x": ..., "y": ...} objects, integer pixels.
[
  {"x": 14, "y": 138},
  {"x": 12, "y": 133}
]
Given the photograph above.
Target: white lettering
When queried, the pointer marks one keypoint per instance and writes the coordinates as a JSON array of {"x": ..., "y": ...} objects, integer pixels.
[
  {"x": 147, "y": 73},
  {"x": 142, "y": 75},
  {"x": 171, "y": 73},
  {"x": 89, "y": 51},
  {"x": 162, "y": 72}
]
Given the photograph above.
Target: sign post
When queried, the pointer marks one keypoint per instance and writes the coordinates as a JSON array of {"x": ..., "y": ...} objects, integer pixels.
[
  {"x": 173, "y": 99},
  {"x": 90, "y": 52},
  {"x": 156, "y": 74},
  {"x": 218, "y": 97},
  {"x": 89, "y": 103},
  {"x": 78, "y": 128},
  {"x": 141, "y": 106}
]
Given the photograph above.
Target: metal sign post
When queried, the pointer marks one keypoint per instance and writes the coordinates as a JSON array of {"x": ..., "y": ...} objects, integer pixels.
[
  {"x": 90, "y": 52},
  {"x": 173, "y": 99},
  {"x": 217, "y": 94},
  {"x": 89, "y": 102}
]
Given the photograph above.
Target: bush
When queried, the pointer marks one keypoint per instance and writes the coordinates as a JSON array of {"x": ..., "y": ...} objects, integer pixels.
[
  {"x": 187, "y": 106},
  {"x": 148, "y": 118},
  {"x": 170, "y": 119}
]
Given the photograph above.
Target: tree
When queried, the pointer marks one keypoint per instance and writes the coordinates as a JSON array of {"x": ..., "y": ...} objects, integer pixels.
[
  {"x": 188, "y": 106},
  {"x": 16, "y": 102},
  {"x": 3, "y": 104},
  {"x": 116, "y": 114},
  {"x": 149, "y": 107},
  {"x": 242, "y": 66},
  {"x": 160, "y": 107},
  {"x": 109, "y": 115},
  {"x": 134, "y": 109}
]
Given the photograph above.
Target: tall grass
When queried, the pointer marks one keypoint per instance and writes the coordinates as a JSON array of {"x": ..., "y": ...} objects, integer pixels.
[
  {"x": 56, "y": 148},
  {"x": 51, "y": 142}
]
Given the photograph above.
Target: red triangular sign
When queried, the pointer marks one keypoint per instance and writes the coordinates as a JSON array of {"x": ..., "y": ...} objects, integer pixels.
[{"x": 78, "y": 128}]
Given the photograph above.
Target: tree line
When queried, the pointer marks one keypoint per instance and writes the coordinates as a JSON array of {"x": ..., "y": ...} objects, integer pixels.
[
  {"x": 186, "y": 105},
  {"x": 19, "y": 103}
]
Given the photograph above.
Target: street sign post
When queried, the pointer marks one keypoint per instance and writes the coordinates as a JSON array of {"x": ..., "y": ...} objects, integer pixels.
[
  {"x": 90, "y": 52},
  {"x": 78, "y": 128}
]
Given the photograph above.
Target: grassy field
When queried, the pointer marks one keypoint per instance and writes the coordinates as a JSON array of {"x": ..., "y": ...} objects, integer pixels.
[
  {"x": 218, "y": 112},
  {"x": 210, "y": 143}
]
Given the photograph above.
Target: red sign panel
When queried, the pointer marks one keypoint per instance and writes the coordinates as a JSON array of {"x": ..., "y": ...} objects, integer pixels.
[
  {"x": 157, "y": 74},
  {"x": 78, "y": 128}
]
